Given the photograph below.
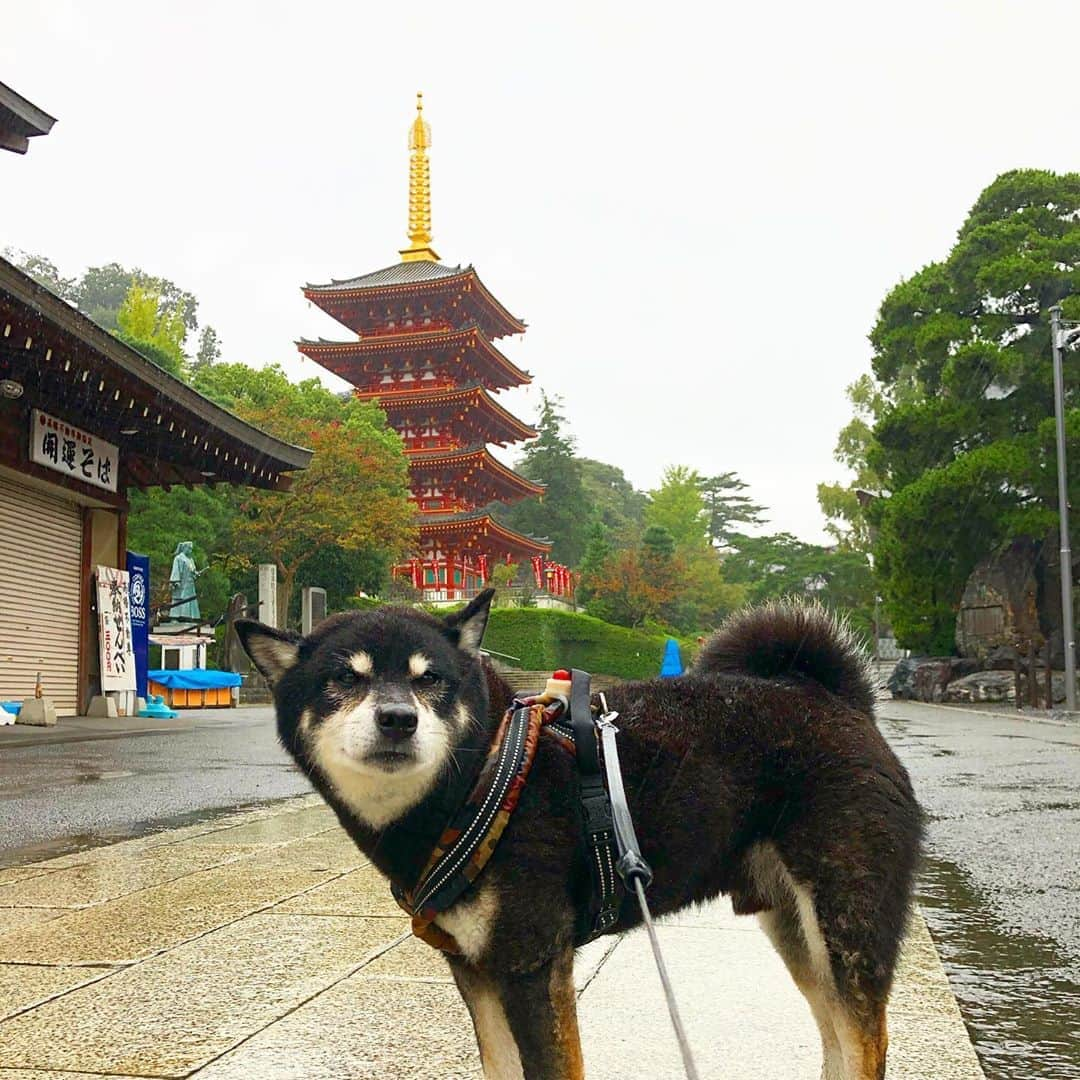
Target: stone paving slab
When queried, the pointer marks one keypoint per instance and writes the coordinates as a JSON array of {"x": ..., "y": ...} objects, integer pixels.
[
  {"x": 20, "y": 873},
  {"x": 143, "y": 923},
  {"x": 52, "y": 1074},
  {"x": 362, "y": 892},
  {"x": 93, "y": 882},
  {"x": 364, "y": 1029},
  {"x": 25, "y": 985},
  {"x": 744, "y": 1016},
  {"x": 272, "y": 830},
  {"x": 14, "y": 918},
  {"x": 180, "y": 1010},
  {"x": 330, "y": 850}
]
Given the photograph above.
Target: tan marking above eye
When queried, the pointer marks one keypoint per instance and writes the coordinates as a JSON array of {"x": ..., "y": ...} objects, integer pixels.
[
  {"x": 361, "y": 663},
  {"x": 418, "y": 665}
]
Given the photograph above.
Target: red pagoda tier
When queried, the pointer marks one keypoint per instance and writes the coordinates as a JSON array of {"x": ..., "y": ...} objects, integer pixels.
[{"x": 424, "y": 351}]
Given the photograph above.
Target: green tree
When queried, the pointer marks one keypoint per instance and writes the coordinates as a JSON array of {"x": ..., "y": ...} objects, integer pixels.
[
  {"x": 598, "y": 550},
  {"x": 769, "y": 567},
  {"x": 727, "y": 507},
  {"x": 677, "y": 506},
  {"x": 961, "y": 410},
  {"x": 209, "y": 348},
  {"x": 845, "y": 506},
  {"x": 159, "y": 519},
  {"x": 152, "y": 327},
  {"x": 616, "y": 503},
  {"x": 564, "y": 514},
  {"x": 101, "y": 291},
  {"x": 45, "y": 272}
]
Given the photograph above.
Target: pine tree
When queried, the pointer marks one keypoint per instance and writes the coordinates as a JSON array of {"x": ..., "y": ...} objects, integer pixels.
[{"x": 564, "y": 514}]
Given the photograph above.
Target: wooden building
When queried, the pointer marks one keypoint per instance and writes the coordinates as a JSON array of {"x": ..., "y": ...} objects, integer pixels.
[{"x": 84, "y": 419}]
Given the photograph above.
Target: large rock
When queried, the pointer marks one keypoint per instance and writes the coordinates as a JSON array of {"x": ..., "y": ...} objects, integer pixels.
[
  {"x": 901, "y": 682},
  {"x": 1000, "y": 603},
  {"x": 926, "y": 678},
  {"x": 981, "y": 686}
]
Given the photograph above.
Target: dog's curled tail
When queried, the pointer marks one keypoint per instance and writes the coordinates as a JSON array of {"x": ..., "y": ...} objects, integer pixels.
[{"x": 791, "y": 637}]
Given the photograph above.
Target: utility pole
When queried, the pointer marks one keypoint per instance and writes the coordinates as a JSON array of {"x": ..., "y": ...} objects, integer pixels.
[{"x": 1059, "y": 339}]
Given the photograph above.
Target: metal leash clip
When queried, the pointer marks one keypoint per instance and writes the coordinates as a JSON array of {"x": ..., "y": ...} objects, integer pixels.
[{"x": 607, "y": 716}]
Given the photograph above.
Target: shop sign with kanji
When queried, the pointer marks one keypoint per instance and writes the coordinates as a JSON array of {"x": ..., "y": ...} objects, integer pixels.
[
  {"x": 66, "y": 449},
  {"x": 115, "y": 645}
]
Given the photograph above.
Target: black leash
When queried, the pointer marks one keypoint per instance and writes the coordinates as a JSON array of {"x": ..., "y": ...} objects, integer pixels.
[{"x": 635, "y": 872}]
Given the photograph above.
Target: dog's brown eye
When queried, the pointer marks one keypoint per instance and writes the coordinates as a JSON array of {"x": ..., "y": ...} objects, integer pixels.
[
  {"x": 349, "y": 677},
  {"x": 429, "y": 678}
]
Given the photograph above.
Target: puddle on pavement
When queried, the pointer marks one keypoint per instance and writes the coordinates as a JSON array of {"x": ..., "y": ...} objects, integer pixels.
[
  {"x": 72, "y": 845},
  {"x": 1019, "y": 998}
]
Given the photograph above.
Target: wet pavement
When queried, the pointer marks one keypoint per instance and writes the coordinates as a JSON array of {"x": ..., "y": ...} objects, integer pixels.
[
  {"x": 88, "y": 782},
  {"x": 1001, "y": 887},
  {"x": 260, "y": 944}
]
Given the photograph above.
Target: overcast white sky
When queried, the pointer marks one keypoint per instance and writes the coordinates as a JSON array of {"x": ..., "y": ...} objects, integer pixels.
[{"x": 696, "y": 207}]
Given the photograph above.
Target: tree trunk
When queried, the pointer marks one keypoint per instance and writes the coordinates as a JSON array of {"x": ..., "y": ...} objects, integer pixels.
[{"x": 286, "y": 580}]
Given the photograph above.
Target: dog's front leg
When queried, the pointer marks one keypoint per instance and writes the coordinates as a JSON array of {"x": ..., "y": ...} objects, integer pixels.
[
  {"x": 541, "y": 1008},
  {"x": 526, "y": 1024},
  {"x": 498, "y": 1050}
]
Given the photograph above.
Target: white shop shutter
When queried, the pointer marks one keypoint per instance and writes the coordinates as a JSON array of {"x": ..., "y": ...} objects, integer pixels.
[{"x": 40, "y": 571}]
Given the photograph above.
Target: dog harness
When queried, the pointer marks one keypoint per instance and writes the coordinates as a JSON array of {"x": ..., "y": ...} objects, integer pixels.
[{"x": 469, "y": 839}]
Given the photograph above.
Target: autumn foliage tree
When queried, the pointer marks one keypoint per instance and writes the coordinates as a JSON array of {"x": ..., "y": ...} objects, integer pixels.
[{"x": 352, "y": 498}]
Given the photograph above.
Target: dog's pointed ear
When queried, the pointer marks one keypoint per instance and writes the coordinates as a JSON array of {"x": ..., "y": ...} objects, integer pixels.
[
  {"x": 272, "y": 651},
  {"x": 465, "y": 628}
]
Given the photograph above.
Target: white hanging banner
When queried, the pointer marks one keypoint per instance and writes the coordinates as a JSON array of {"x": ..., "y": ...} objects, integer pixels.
[
  {"x": 66, "y": 449},
  {"x": 114, "y": 629}
]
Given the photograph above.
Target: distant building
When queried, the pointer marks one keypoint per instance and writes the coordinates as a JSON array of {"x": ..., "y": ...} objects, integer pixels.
[{"x": 424, "y": 350}]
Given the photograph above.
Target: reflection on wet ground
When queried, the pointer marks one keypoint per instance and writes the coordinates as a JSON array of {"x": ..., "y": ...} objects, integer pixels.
[{"x": 1019, "y": 998}]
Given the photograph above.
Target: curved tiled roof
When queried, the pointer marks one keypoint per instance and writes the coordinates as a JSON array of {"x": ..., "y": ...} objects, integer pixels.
[
  {"x": 480, "y": 453},
  {"x": 399, "y": 274},
  {"x": 431, "y": 522}
]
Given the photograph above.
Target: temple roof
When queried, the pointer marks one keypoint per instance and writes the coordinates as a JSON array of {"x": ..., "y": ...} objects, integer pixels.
[
  {"x": 470, "y": 394},
  {"x": 480, "y": 521},
  {"x": 479, "y": 456},
  {"x": 399, "y": 274},
  {"x": 341, "y": 299},
  {"x": 337, "y": 356},
  {"x": 169, "y": 433}
]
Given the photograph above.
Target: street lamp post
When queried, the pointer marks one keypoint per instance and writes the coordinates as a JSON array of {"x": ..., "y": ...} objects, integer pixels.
[{"x": 1059, "y": 339}]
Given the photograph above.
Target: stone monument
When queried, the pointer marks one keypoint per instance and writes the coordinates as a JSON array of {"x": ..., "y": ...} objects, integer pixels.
[{"x": 312, "y": 608}]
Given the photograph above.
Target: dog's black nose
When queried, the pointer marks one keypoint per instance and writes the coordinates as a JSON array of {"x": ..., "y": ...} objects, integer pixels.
[{"x": 397, "y": 721}]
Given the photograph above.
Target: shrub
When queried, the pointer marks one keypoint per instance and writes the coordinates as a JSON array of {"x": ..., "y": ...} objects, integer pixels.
[{"x": 544, "y": 639}]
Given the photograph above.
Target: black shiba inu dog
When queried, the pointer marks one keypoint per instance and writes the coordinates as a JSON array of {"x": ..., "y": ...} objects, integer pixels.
[{"x": 760, "y": 774}]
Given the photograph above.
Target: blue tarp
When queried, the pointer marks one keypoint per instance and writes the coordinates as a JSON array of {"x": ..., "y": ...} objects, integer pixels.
[
  {"x": 194, "y": 679},
  {"x": 672, "y": 664}
]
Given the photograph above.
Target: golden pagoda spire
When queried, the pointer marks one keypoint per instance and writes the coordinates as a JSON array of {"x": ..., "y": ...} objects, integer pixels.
[{"x": 420, "y": 248}]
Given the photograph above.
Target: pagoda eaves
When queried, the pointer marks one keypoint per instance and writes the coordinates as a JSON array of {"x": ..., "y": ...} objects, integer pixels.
[
  {"x": 468, "y": 409},
  {"x": 378, "y": 363},
  {"x": 452, "y": 294},
  {"x": 453, "y": 480}
]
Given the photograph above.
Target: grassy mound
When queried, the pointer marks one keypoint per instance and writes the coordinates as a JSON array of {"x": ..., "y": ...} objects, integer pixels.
[{"x": 545, "y": 639}]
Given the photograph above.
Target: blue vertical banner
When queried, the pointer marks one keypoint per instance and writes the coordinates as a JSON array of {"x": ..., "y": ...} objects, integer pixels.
[{"x": 138, "y": 568}]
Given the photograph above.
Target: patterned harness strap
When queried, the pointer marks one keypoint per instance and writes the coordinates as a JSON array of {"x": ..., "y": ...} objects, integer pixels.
[{"x": 469, "y": 839}]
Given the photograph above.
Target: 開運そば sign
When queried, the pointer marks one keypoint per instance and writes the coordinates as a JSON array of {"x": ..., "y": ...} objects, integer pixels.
[
  {"x": 115, "y": 645},
  {"x": 66, "y": 449}
]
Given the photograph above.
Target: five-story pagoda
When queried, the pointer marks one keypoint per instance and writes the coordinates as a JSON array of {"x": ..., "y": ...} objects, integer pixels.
[{"x": 425, "y": 352}]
